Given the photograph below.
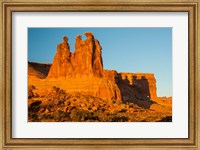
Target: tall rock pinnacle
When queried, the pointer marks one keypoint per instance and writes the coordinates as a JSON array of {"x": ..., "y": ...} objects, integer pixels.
[
  {"x": 62, "y": 65},
  {"x": 85, "y": 61}
]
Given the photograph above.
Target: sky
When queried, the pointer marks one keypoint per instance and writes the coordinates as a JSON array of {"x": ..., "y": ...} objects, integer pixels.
[{"x": 145, "y": 50}]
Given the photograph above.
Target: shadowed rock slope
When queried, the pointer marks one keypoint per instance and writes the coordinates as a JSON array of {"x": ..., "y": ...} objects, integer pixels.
[{"x": 39, "y": 70}]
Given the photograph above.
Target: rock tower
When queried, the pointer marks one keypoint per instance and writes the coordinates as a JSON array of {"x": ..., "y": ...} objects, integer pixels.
[
  {"x": 85, "y": 61},
  {"x": 83, "y": 72}
]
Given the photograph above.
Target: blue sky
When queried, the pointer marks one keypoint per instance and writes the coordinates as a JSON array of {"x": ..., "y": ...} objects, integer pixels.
[{"x": 147, "y": 50}]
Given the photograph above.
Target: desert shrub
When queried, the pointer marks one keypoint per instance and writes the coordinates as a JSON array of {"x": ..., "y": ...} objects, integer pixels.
[
  {"x": 60, "y": 116},
  {"x": 73, "y": 115},
  {"x": 46, "y": 116},
  {"x": 58, "y": 90},
  {"x": 31, "y": 87},
  {"x": 79, "y": 115},
  {"x": 83, "y": 115},
  {"x": 91, "y": 117},
  {"x": 35, "y": 106},
  {"x": 119, "y": 119},
  {"x": 58, "y": 94},
  {"x": 123, "y": 110},
  {"x": 166, "y": 119},
  {"x": 115, "y": 112},
  {"x": 33, "y": 117},
  {"x": 61, "y": 102},
  {"x": 31, "y": 91},
  {"x": 49, "y": 106}
]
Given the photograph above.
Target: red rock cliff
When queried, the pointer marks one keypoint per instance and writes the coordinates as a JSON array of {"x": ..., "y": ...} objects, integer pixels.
[
  {"x": 133, "y": 85},
  {"x": 143, "y": 84}
]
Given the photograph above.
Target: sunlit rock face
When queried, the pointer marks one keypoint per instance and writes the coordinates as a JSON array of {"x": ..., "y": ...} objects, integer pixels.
[
  {"x": 82, "y": 71},
  {"x": 62, "y": 65},
  {"x": 85, "y": 65},
  {"x": 76, "y": 88},
  {"x": 85, "y": 61}
]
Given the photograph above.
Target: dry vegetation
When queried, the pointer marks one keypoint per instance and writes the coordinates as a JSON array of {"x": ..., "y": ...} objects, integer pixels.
[{"x": 59, "y": 106}]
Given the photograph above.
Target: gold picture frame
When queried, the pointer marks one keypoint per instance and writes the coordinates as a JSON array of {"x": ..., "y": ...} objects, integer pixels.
[{"x": 9, "y": 6}]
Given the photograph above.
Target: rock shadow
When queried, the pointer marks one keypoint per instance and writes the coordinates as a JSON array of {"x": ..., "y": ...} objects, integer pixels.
[{"x": 135, "y": 90}]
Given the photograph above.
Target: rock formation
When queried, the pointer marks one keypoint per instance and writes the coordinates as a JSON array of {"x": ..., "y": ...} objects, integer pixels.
[
  {"x": 143, "y": 84},
  {"x": 83, "y": 72},
  {"x": 62, "y": 66},
  {"x": 76, "y": 88},
  {"x": 133, "y": 85},
  {"x": 109, "y": 90},
  {"x": 85, "y": 65},
  {"x": 85, "y": 61}
]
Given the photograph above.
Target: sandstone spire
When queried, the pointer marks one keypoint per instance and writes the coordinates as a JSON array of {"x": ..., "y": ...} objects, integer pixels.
[
  {"x": 62, "y": 65},
  {"x": 85, "y": 61}
]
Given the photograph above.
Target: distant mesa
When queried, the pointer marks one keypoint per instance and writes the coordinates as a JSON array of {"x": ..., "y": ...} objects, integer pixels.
[
  {"x": 39, "y": 70},
  {"x": 83, "y": 71}
]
